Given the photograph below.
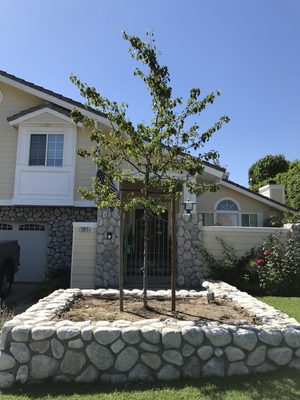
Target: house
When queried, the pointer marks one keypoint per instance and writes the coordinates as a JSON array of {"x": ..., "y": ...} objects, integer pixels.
[{"x": 40, "y": 173}]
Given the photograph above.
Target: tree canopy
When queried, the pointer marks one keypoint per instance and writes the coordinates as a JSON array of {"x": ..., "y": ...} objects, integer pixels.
[
  {"x": 265, "y": 169},
  {"x": 291, "y": 180},
  {"x": 160, "y": 155}
]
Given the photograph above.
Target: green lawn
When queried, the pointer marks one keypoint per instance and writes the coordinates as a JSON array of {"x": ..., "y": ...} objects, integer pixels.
[
  {"x": 289, "y": 305},
  {"x": 283, "y": 385}
]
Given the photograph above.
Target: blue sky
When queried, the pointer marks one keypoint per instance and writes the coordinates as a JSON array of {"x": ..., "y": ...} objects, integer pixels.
[{"x": 249, "y": 49}]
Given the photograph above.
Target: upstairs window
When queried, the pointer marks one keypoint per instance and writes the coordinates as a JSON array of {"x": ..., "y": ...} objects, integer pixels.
[{"x": 46, "y": 149}]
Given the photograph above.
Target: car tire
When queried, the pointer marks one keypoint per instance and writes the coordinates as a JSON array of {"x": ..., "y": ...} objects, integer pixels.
[{"x": 6, "y": 280}]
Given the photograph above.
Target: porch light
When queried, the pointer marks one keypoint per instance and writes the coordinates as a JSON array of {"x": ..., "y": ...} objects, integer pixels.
[{"x": 188, "y": 206}]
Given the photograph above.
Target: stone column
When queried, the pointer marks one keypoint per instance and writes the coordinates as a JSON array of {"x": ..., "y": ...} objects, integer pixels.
[
  {"x": 189, "y": 246},
  {"x": 108, "y": 248}
]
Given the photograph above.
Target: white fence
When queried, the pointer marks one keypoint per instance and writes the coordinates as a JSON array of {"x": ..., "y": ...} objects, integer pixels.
[{"x": 242, "y": 239}]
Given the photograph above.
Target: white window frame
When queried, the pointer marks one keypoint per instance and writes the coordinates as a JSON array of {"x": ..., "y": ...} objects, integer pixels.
[
  {"x": 236, "y": 212},
  {"x": 43, "y": 184},
  {"x": 46, "y": 150}
]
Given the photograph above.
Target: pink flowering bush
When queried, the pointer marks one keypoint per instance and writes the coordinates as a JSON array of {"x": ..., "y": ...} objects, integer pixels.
[
  {"x": 278, "y": 266},
  {"x": 273, "y": 269}
]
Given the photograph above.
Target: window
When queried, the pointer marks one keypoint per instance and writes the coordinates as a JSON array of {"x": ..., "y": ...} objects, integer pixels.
[
  {"x": 227, "y": 213},
  {"x": 208, "y": 219},
  {"x": 31, "y": 227},
  {"x": 46, "y": 149},
  {"x": 227, "y": 205},
  {"x": 5, "y": 227},
  {"x": 249, "y": 219}
]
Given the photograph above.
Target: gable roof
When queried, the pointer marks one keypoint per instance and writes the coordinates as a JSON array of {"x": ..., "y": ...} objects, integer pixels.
[
  {"x": 63, "y": 104},
  {"x": 49, "y": 95},
  {"x": 256, "y": 196},
  {"x": 29, "y": 111}
]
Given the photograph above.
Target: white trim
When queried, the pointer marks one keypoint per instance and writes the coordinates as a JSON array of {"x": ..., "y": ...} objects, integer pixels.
[
  {"x": 254, "y": 196},
  {"x": 17, "y": 201},
  {"x": 53, "y": 99},
  {"x": 84, "y": 203},
  {"x": 213, "y": 171},
  {"x": 4, "y": 202},
  {"x": 41, "y": 111},
  {"x": 92, "y": 225},
  {"x": 244, "y": 228},
  {"x": 229, "y": 211}
]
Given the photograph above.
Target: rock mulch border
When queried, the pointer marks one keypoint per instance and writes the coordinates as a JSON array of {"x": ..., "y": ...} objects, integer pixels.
[{"x": 34, "y": 346}]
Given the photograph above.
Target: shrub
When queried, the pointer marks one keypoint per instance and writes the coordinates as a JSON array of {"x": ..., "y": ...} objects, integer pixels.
[
  {"x": 278, "y": 266},
  {"x": 239, "y": 272},
  {"x": 272, "y": 269},
  {"x": 273, "y": 221},
  {"x": 5, "y": 314}
]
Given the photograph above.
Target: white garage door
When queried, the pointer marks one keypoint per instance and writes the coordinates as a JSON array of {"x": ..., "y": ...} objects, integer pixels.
[{"x": 32, "y": 239}]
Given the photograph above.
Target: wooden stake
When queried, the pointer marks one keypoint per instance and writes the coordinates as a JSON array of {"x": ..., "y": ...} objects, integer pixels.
[
  {"x": 173, "y": 254},
  {"x": 121, "y": 272}
]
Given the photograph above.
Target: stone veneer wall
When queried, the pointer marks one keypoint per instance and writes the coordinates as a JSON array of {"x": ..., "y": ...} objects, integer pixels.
[
  {"x": 34, "y": 346},
  {"x": 108, "y": 250},
  {"x": 189, "y": 244},
  {"x": 59, "y": 223}
]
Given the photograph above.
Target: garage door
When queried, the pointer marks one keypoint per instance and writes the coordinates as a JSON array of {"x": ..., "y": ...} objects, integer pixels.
[{"x": 32, "y": 239}]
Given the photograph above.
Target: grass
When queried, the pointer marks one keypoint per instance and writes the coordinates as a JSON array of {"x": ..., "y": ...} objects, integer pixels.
[
  {"x": 282, "y": 385},
  {"x": 289, "y": 305}
]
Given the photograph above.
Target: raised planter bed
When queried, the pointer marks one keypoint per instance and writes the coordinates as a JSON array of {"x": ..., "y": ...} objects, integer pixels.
[{"x": 35, "y": 346}]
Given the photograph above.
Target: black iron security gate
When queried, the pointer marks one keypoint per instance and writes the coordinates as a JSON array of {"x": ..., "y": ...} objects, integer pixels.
[{"x": 159, "y": 269}]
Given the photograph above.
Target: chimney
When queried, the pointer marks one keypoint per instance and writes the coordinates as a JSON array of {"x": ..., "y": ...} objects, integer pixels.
[{"x": 274, "y": 192}]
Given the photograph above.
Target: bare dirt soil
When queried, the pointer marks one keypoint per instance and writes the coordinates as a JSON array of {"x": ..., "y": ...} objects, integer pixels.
[{"x": 193, "y": 309}]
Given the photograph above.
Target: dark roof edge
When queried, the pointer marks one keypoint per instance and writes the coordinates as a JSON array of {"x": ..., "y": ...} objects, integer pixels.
[
  {"x": 30, "y": 110},
  {"x": 51, "y": 93},
  {"x": 260, "y": 196}
]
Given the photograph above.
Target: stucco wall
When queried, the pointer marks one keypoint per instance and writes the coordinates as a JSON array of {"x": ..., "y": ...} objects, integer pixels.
[{"x": 241, "y": 238}]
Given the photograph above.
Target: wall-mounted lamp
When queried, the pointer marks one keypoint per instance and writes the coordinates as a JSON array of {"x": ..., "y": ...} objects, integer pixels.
[
  {"x": 188, "y": 206},
  {"x": 109, "y": 236}
]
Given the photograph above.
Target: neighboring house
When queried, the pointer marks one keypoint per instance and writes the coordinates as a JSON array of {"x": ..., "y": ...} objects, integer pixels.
[{"x": 40, "y": 174}]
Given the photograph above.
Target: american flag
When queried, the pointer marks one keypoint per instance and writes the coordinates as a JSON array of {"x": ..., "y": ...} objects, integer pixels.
[{"x": 101, "y": 178}]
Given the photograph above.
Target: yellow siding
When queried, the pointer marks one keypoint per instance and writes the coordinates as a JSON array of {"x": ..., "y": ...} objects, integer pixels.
[
  {"x": 85, "y": 168},
  {"x": 241, "y": 238},
  {"x": 14, "y": 101},
  {"x": 206, "y": 202},
  {"x": 84, "y": 257}
]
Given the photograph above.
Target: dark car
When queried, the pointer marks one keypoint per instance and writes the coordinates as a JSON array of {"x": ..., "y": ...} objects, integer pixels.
[{"x": 9, "y": 265}]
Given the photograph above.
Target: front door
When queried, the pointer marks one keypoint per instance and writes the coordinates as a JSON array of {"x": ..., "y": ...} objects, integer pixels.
[{"x": 159, "y": 270}]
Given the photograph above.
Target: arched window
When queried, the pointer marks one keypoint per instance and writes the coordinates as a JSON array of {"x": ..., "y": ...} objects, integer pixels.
[
  {"x": 227, "y": 205},
  {"x": 227, "y": 213}
]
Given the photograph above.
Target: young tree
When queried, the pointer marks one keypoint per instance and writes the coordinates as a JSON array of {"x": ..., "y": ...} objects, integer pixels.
[{"x": 161, "y": 155}]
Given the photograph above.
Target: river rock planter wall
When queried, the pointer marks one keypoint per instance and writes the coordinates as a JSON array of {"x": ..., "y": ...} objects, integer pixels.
[{"x": 34, "y": 346}]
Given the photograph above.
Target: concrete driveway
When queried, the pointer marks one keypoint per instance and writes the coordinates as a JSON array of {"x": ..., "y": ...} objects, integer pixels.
[{"x": 21, "y": 297}]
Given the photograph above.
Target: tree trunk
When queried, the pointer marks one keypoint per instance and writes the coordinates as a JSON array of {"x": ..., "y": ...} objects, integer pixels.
[
  {"x": 146, "y": 257},
  {"x": 146, "y": 242},
  {"x": 173, "y": 255}
]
